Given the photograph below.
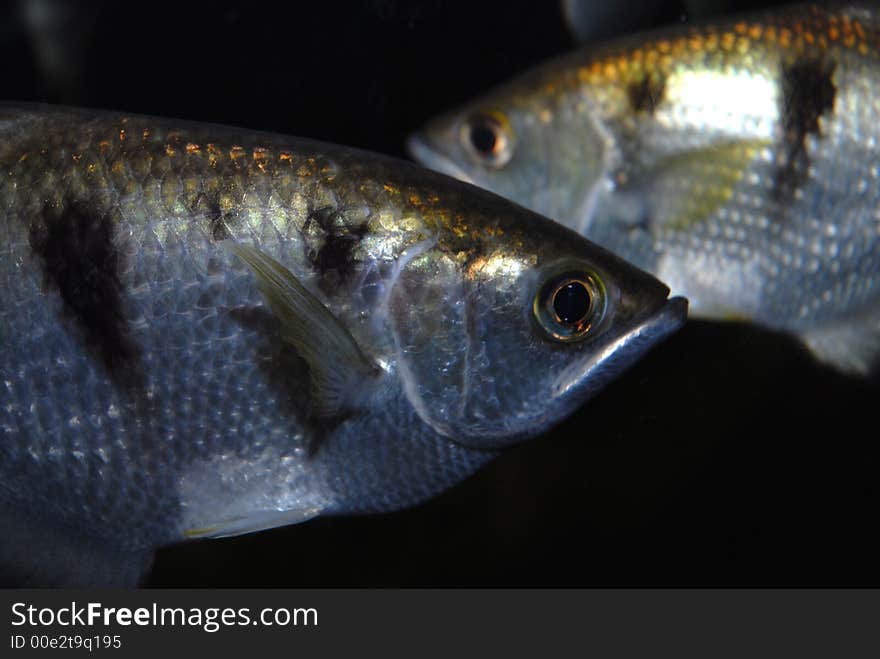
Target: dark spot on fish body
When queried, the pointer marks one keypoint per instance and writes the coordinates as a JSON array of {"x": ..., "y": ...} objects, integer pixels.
[
  {"x": 214, "y": 217},
  {"x": 332, "y": 255},
  {"x": 336, "y": 254},
  {"x": 465, "y": 250},
  {"x": 285, "y": 371},
  {"x": 80, "y": 259},
  {"x": 808, "y": 93},
  {"x": 478, "y": 248},
  {"x": 646, "y": 94}
]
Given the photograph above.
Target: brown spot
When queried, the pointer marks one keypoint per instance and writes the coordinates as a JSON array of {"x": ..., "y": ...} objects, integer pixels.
[
  {"x": 81, "y": 261},
  {"x": 332, "y": 258},
  {"x": 210, "y": 209},
  {"x": 646, "y": 94},
  {"x": 808, "y": 93}
]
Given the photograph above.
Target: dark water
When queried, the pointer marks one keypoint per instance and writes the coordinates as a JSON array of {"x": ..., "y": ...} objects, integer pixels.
[{"x": 727, "y": 457}]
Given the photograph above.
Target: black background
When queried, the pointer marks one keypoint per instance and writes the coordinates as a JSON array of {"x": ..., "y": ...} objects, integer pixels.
[{"x": 727, "y": 457}]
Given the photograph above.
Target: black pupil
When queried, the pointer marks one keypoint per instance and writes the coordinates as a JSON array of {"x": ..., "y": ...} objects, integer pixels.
[
  {"x": 483, "y": 138},
  {"x": 571, "y": 303}
]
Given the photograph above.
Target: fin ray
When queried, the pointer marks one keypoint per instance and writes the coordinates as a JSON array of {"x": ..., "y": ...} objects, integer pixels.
[
  {"x": 260, "y": 520},
  {"x": 688, "y": 187},
  {"x": 337, "y": 365}
]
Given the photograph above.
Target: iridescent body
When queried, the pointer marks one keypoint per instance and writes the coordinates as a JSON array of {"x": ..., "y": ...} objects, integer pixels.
[
  {"x": 149, "y": 394},
  {"x": 737, "y": 161}
]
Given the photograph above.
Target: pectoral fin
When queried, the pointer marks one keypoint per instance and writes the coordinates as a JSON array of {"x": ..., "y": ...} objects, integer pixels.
[
  {"x": 691, "y": 186},
  {"x": 259, "y": 520},
  {"x": 339, "y": 369}
]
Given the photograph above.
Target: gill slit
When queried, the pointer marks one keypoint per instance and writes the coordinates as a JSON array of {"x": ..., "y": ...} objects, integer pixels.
[
  {"x": 610, "y": 160},
  {"x": 407, "y": 380},
  {"x": 465, "y": 376},
  {"x": 406, "y": 256}
]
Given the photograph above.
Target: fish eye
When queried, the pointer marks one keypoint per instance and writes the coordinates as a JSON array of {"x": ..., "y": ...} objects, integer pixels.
[
  {"x": 569, "y": 305},
  {"x": 487, "y": 138}
]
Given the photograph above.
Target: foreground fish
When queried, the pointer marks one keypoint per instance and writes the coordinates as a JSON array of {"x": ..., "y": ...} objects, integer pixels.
[
  {"x": 740, "y": 163},
  {"x": 207, "y": 332}
]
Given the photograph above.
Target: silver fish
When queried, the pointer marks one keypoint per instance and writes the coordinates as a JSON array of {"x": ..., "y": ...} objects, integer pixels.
[
  {"x": 737, "y": 161},
  {"x": 208, "y": 331}
]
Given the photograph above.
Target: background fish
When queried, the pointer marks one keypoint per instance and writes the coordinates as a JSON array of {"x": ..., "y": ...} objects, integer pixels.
[
  {"x": 737, "y": 161},
  {"x": 730, "y": 456},
  {"x": 208, "y": 332}
]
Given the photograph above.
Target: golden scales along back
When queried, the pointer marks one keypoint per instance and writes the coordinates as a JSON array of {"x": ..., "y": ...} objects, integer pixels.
[{"x": 209, "y": 331}]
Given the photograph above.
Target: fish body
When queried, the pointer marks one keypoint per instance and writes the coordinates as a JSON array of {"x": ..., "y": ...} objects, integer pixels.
[
  {"x": 208, "y": 331},
  {"x": 736, "y": 160}
]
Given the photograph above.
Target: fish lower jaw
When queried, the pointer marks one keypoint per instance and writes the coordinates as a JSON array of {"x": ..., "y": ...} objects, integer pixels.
[{"x": 582, "y": 380}]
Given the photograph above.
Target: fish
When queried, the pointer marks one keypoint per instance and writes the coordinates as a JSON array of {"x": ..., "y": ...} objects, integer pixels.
[
  {"x": 208, "y": 331},
  {"x": 737, "y": 160}
]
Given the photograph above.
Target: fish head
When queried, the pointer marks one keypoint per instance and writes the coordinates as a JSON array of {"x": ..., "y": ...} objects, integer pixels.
[
  {"x": 511, "y": 321},
  {"x": 528, "y": 141}
]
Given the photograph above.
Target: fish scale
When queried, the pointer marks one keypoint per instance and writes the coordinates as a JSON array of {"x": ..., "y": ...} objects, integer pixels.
[
  {"x": 734, "y": 159},
  {"x": 159, "y": 385}
]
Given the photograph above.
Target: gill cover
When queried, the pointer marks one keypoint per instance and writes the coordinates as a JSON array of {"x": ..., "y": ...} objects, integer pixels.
[{"x": 481, "y": 345}]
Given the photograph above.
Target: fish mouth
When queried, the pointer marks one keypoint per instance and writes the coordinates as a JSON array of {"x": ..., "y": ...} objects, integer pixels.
[
  {"x": 583, "y": 380},
  {"x": 421, "y": 149}
]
